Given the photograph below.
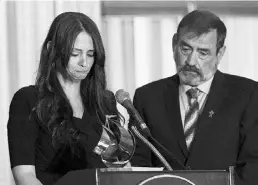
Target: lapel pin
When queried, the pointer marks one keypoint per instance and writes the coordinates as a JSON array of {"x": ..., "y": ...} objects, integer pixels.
[{"x": 211, "y": 113}]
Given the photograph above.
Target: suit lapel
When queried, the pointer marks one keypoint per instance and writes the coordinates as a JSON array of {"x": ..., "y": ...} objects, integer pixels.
[
  {"x": 214, "y": 101},
  {"x": 171, "y": 99}
]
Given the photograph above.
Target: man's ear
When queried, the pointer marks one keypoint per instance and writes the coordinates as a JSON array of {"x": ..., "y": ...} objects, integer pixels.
[
  {"x": 221, "y": 53},
  {"x": 174, "y": 41}
]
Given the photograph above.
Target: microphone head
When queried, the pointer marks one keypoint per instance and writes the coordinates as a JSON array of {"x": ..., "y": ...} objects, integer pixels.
[{"x": 121, "y": 96}]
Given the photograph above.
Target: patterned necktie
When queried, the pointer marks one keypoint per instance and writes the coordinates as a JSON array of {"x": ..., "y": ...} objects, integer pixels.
[{"x": 191, "y": 116}]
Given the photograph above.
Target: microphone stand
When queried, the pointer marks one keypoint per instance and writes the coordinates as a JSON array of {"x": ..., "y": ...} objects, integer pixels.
[
  {"x": 174, "y": 159},
  {"x": 154, "y": 150}
]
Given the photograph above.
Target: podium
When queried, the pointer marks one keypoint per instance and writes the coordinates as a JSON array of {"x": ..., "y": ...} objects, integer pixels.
[{"x": 186, "y": 177}]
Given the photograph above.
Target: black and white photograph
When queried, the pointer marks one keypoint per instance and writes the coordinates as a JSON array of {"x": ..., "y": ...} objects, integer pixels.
[{"x": 141, "y": 92}]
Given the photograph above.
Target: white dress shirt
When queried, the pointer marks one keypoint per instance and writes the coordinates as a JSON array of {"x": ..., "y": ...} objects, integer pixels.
[{"x": 183, "y": 99}]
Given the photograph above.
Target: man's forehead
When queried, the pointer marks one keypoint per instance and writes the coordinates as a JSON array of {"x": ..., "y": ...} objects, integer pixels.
[
  {"x": 210, "y": 36},
  {"x": 191, "y": 32}
]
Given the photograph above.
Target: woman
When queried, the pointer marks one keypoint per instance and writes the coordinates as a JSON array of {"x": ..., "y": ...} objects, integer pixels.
[{"x": 54, "y": 126}]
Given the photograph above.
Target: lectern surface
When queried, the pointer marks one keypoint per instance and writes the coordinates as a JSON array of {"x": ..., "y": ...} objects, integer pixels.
[
  {"x": 164, "y": 178},
  {"x": 102, "y": 177}
]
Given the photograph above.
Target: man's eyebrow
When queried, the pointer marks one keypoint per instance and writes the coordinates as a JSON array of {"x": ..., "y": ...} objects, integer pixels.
[
  {"x": 204, "y": 49},
  {"x": 184, "y": 43},
  {"x": 200, "y": 49}
]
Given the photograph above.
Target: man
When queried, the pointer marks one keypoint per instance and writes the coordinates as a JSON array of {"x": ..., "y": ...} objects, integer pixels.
[{"x": 207, "y": 119}]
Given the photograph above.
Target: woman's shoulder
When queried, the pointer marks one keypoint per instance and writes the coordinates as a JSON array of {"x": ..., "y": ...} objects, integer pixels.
[
  {"x": 25, "y": 95},
  {"x": 26, "y": 91}
]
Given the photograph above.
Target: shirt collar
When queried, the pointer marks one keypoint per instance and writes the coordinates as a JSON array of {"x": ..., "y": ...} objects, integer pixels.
[{"x": 204, "y": 87}]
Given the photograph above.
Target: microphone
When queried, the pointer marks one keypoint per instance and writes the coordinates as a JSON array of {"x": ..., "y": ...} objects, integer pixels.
[{"x": 123, "y": 98}]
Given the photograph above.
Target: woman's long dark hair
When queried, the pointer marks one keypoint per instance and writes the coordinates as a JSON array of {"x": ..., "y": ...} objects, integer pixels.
[{"x": 53, "y": 109}]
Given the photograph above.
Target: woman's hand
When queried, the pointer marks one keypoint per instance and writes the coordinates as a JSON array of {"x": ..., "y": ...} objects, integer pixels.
[{"x": 25, "y": 174}]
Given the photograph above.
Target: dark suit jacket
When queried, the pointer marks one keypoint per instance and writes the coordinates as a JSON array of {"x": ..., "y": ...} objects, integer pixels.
[{"x": 228, "y": 137}]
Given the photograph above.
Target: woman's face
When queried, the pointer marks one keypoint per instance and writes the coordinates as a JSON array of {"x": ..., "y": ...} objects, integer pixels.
[{"x": 81, "y": 58}]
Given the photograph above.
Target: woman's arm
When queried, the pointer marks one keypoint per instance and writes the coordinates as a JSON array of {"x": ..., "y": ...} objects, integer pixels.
[
  {"x": 25, "y": 175},
  {"x": 22, "y": 134}
]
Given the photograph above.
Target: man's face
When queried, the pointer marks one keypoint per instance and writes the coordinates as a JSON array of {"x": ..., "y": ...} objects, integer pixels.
[{"x": 196, "y": 57}]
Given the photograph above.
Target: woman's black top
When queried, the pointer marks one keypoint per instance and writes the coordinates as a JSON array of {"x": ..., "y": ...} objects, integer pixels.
[{"x": 31, "y": 144}]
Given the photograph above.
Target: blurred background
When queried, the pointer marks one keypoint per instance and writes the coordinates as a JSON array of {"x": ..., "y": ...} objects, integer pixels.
[{"x": 138, "y": 40}]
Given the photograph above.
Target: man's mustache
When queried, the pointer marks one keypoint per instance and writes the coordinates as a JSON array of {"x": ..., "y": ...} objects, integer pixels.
[{"x": 190, "y": 68}]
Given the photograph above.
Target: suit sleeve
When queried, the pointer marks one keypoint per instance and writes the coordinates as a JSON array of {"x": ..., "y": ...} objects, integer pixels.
[
  {"x": 247, "y": 166},
  {"x": 22, "y": 132},
  {"x": 142, "y": 154}
]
